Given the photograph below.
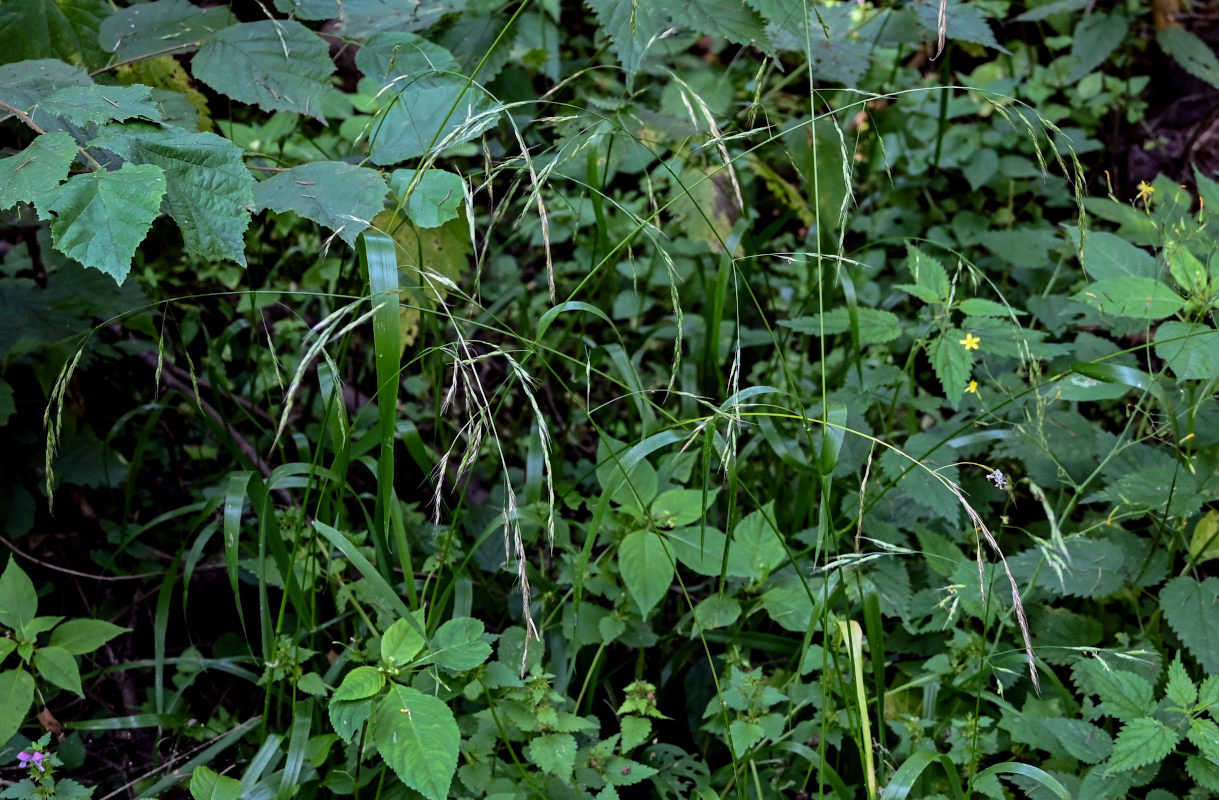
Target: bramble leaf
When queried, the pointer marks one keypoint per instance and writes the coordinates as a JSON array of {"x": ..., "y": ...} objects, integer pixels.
[
  {"x": 1141, "y": 741},
  {"x": 208, "y": 188},
  {"x": 64, "y": 29},
  {"x": 95, "y": 104},
  {"x": 334, "y": 194},
  {"x": 103, "y": 216},
  {"x": 40, "y": 166},
  {"x": 278, "y": 65},
  {"x": 144, "y": 28},
  {"x": 417, "y": 736},
  {"x": 435, "y": 198},
  {"x": 1189, "y": 608}
]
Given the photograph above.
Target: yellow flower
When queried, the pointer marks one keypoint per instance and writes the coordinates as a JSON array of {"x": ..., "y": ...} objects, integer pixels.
[
  {"x": 972, "y": 388},
  {"x": 970, "y": 342},
  {"x": 1146, "y": 190}
]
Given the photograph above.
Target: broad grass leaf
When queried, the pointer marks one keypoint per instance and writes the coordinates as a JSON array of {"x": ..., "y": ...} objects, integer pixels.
[
  {"x": 444, "y": 251},
  {"x": 79, "y": 636},
  {"x": 876, "y": 326},
  {"x": 59, "y": 667},
  {"x": 18, "y": 599},
  {"x": 459, "y": 645},
  {"x": 1141, "y": 741},
  {"x": 1190, "y": 350},
  {"x": 553, "y": 753},
  {"x": 16, "y": 697},
  {"x": 1190, "y": 608},
  {"x": 435, "y": 198},
  {"x": 208, "y": 189},
  {"x": 64, "y": 29},
  {"x": 101, "y": 217},
  {"x": 145, "y": 28},
  {"x": 278, "y": 65},
  {"x": 1132, "y": 297},
  {"x": 646, "y": 566},
  {"x": 207, "y": 784},
  {"x": 336, "y": 195},
  {"x": 417, "y": 736},
  {"x": 82, "y": 105}
]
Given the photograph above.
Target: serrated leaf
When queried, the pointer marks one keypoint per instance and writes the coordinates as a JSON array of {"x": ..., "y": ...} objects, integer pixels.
[
  {"x": 59, "y": 667},
  {"x": 621, "y": 771},
  {"x": 334, "y": 194},
  {"x": 1180, "y": 689},
  {"x": 1189, "y": 608},
  {"x": 1208, "y": 692},
  {"x": 16, "y": 697},
  {"x": 646, "y": 567},
  {"x": 1191, "y": 52},
  {"x": 41, "y": 165},
  {"x": 978, "y": 307},
  {"x": 730, "y": 19},
  {"x": 145, "y": 28},
  {"x": 208, "y": 190},
  {"x": 401, "y": 642},
  {"x": 1190, "y": 350},
  {"x": 101, "y": 217},
  {"x": 965, "y": 23},
  {"x": 389, "y": 54},
  {"x": 553, "y": 753},
  {"x": 1096, "y": 36},
  {"x": 632, "y": 28},
  {"x": 95, "y": 104},
  {"x": 635, "y": 731},
  {"x": 64, "y": 29},
  {"x": 876, "y": 326},
  {"x": 18, "y": 599},
  {"x": 1107, "y": 255},
  {"x": 1083, "y": 740},
  {"x": 1141, "y": 741},
  {"x": 459, "y": 645},
  {"x": 417, "y": 736},
  {"x": 435, "y": 197},
  {"x": 79, "y": 636},
  {"x": 1125, "y": 695},
  {"x": 278, "y": 65},
  {"x": 928, "y": 274},
  {"x": 1204, "y": 772},
  {"x": 1204, "y": 733},
  {"x": 207, "y": 784},
  {"x": 1132, "y": 297},
  {"x": 431, "y": 111},
  {"x": 363, "y": 681},
  {"x": 348, "y": 716},
  {"x": 952, "y": 363}
]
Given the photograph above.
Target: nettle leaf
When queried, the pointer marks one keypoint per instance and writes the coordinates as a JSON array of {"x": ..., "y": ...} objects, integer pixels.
[
  {"x": 65, "y": 29},
  {"x": 1124, "y": 695},
  {"x": 18, "y": 600},
  {"x": 420, "y": 113},
  {"x": 16, "y": 697},
  {"x": 876, "y": 326},
  {"x": 1180, "y": 689},
  {"x": 632, "y": 29},
  {"x": 646, "y": 566},
  {"x": 1194, "y": 55},
  {"x": 95, "y": 104},
  {"x": 554, "y": 753},
  {"x": 930, "y": 280},
  {"x": 80, "y": 636},
  {"x": 636, "y": 730},
  {"x": 1085, "y": 567},
  {"x": 334, "y": 194},
  {"x": 1141, "y": 741},
  {"x": 363, "y": 681},
  {"x": 1204, "y": 772},
  {"x": 1132, "y": 297},
  {"x": 1083, "y": 740},
  {"x": 952, "y": 364},
  {"x": 387, "y": 55},
  {"x": 145, "y": 28},
  {"x": 730, "y": 19},
  {"x": 1189, "y": 608},
  {"x": 459, "y": 645},
  {"x": 965, "y": 23},
  {"x": 59, "y": 667},
  {"x": 1190, "y": 350},
  {"x": 41, "y": 165},
  {"x": 102, "y": 216},
  {"x": 208, "y": 189},
  {"x": 435, "y": 197},
  {"x": 1204, "y": 733},
  {"x": 417, "y": 736},
  {"x": 278, "y": 65}
]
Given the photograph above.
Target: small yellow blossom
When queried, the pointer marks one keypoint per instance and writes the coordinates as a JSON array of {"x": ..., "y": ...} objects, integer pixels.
[
  {"x": 1146, "y": 190},
  {"x": 970, "y": 342},
  {"x": 972, "y": 388}
]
